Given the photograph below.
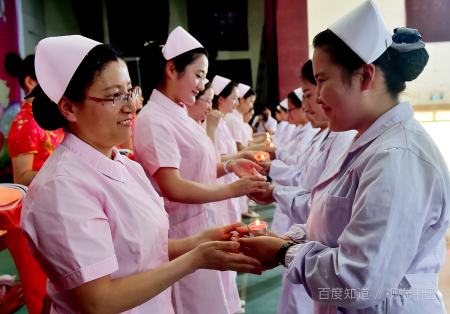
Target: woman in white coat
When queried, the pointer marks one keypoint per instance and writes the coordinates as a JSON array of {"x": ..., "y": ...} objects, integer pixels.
[
  {"x": 302, "y": 135},
  {"x": 285, "y": 125},
  {"x": 181, "y": 162},
  {"x": 293, "y": 199},
  {"x": 374, "y": 240}
]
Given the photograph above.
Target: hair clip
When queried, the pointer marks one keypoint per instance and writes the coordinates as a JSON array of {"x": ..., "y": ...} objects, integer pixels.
[{"x": 389, "y": 58}]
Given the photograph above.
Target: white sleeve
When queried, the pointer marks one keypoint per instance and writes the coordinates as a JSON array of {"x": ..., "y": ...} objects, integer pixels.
[{"x": 389, "y": 224}]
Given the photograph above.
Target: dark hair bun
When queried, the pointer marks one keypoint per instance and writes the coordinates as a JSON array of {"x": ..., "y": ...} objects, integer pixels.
[
  {"x": 410, "y": 64},
  {"x": 13, "y": 64},
  {"x": 46, "y": 112}
]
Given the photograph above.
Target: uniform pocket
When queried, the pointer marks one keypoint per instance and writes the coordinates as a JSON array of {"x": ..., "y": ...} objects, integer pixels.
[
  {"x": 335, "y": 216},
  {"x": 189, "y": 227}
]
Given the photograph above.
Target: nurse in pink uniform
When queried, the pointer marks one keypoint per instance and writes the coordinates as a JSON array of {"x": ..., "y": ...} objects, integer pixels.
[
  {"x": 180, "y": 160},
  {"x": 91, "y": 217}
]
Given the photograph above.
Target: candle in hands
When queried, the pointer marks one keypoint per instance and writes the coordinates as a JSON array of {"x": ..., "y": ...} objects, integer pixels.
[
  {"x": 262, "y": 156},
  {"x": 258, "y": 228}
]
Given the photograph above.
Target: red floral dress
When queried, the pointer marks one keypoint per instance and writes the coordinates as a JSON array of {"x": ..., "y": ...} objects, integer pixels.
[{"x": 26, "y": 136}]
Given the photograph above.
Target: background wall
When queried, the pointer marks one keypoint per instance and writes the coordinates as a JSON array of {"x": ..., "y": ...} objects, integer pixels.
[{"x": 435, "y": 76}]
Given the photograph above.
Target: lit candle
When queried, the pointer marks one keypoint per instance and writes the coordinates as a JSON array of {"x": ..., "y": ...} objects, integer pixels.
[
  {"x": 258, "y": 228},
  {"x": 262, "y": 156},
  {"x": 271, "y": 144}
]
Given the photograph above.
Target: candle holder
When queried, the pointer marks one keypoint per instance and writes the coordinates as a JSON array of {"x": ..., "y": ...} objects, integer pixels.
[{"x": 258, "y": 228}]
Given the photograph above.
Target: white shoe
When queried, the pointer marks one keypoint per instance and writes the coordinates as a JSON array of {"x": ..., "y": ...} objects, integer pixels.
[
  {"x": 252, "y": 203},
  {"x": 251, "y": 214},
  {"x": 240, "y": 311},
  {"x": 242, "y": 303}
]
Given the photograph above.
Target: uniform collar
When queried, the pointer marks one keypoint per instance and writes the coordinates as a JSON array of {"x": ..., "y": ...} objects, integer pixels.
[
  {"x": 169, "y": 105},
  {"x": 401, "y": 112},
  {"x": 238, "y": 114},
  {"x": 113, "y": 168}
]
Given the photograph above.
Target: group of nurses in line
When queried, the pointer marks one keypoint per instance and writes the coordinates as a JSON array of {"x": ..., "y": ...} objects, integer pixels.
[
  {"x": 181, "y": 162},
  {"x": 108, "y": 239},
  {"x": 369, "y": 235}
]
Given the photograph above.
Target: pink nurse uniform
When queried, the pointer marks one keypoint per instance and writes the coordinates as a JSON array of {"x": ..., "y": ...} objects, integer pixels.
[
  {"x": 87, "y": 216},
  {"x": 166, "y": 137}
]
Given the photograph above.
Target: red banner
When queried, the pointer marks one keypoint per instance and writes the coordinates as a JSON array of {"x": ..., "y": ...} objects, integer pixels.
[{"x": 9, "y": 86}]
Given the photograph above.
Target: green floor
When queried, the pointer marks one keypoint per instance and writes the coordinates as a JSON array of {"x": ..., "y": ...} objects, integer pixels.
[{"x": 261, "y": 293}]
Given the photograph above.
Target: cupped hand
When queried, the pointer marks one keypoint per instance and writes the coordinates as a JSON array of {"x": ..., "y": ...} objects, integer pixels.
[
  {"x": 264, "y": 249},
  {"x": 243, "y": 186},
  {"x": 225, "y": 256},
  {"x": 265, "y": 166},
  {"x": 242, "y": 232},
  {"x": 249, "y": 155},
  {"x": 243, "y": 167},
  {"x": 263, "y": 198},
  {"x": 220, "y": 233}
]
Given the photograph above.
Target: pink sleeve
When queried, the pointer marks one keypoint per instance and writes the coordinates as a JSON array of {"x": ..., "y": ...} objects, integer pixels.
[
  {"x": 235, "y": 127},
  {"x": 155, "y": 145},
  {"x": 70, "y": 230}
]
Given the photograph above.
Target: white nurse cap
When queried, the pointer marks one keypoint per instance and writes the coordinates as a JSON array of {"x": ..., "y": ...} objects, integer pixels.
[
  {"x": 243, "y": 89},
  {"x": 179, "y": 42},
  {"x": 364, "y": 31},
  {"x": 284, "y": 103},
  {"x": 57, "y": 59},
  {"x": 299, "y": 93},
  {"x": 219, "y": 83}
]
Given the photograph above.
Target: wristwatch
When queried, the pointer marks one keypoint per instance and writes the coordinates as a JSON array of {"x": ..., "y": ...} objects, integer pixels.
[{"x": 282, "y": 252}]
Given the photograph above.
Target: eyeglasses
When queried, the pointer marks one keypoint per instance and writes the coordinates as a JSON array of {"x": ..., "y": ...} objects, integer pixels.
[
  {"x": 290, "y": 110},
  {"x": 120, "y": 99},
  {"x": 208, "y": 102}
]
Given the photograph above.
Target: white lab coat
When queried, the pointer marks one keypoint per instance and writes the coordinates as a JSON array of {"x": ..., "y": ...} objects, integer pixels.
[
  {"x": 297, "y": 145},
  {"x": 271, "y": 124},
  {"x": 280, "y": 173},
  {"x": 294, "y": 202},
  {"x": 283, "y": 133},
  {"x": 377, "y": 224}
]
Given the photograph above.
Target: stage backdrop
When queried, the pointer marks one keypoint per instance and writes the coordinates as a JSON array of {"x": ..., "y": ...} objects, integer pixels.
[{"x": 9, "y": 87}]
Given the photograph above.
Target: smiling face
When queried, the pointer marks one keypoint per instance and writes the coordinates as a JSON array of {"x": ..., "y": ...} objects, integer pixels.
[
  {"x": 339, "y": 99},
  {"x": 101, "y": 124},
  {"x": 202, "y": 106},
  {"x": 314, "y": 110},
  {"x": 190, "y": 82},
  {"x": 227, "y": 104},
  {"x": 245, "y": 104}
]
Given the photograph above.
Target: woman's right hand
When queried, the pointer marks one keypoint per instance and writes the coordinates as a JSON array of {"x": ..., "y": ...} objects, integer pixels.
[
  {"x": 213, "y": 119},
  {"x": 224, "y": 256},
  {"x": 244, "y": 185}
]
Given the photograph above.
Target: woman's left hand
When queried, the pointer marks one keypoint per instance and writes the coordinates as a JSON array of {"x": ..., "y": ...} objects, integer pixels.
[
  {"x": 264, "y": 249},
  {"x": 243, "y": 167}
]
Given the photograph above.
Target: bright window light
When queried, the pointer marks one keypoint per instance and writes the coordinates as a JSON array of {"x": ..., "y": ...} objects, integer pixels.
[{"x": 424, "y": 116}]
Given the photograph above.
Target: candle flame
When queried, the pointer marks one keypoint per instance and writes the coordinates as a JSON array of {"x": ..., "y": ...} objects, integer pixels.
[
  {"x": 257, "y": 223},
  {"x": 262, "y": 156},
  {"x": 271, "y": 144}
]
